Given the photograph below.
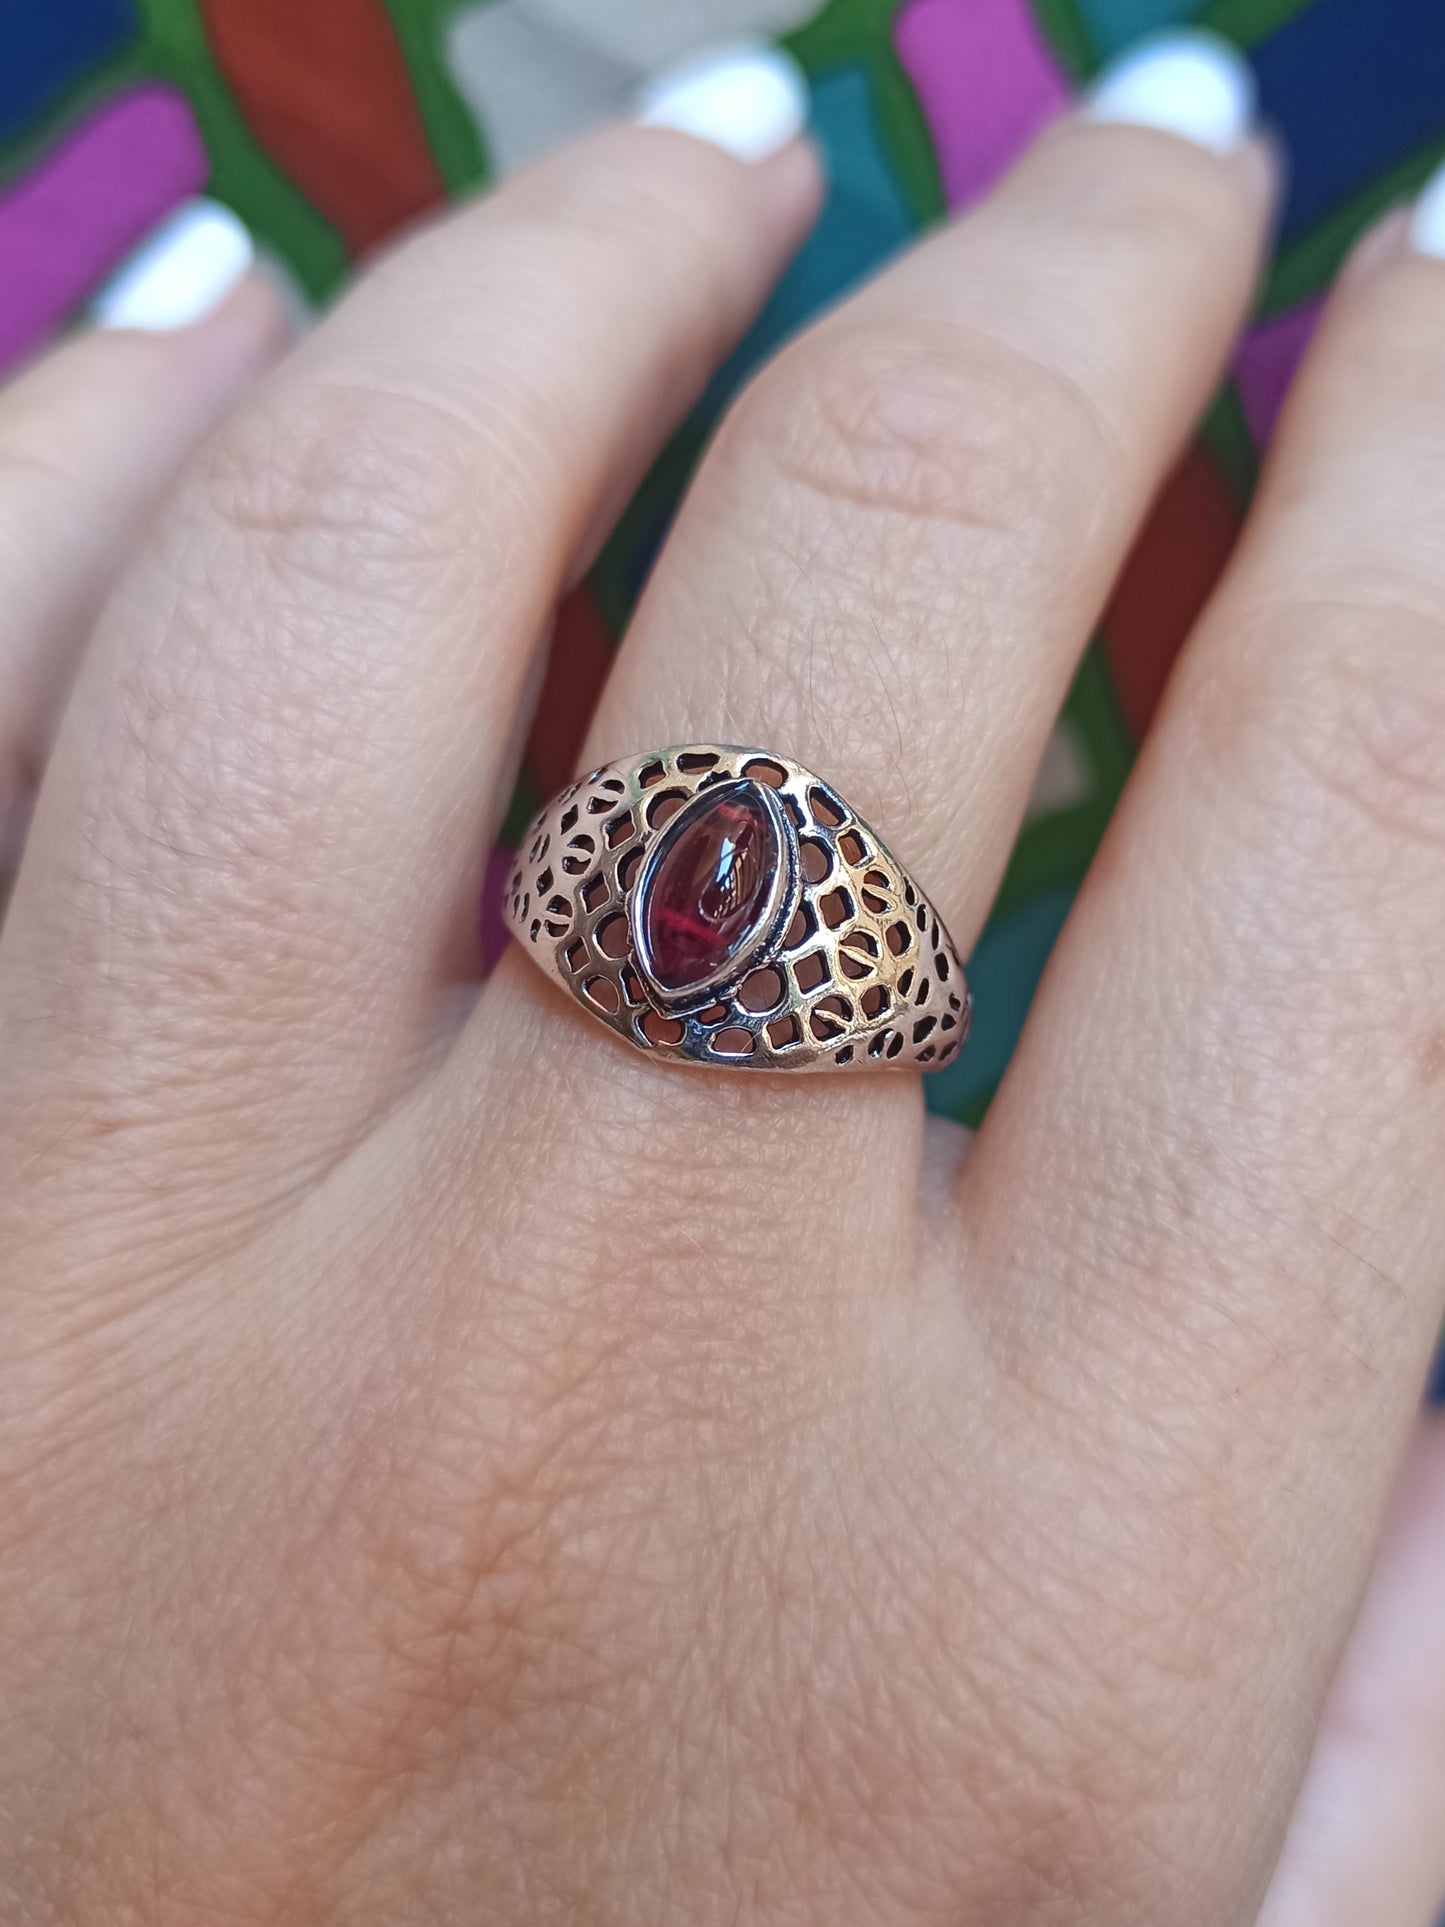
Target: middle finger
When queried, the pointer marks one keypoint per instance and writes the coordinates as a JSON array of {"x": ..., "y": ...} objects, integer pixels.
[{"x": 262, "y": 822}]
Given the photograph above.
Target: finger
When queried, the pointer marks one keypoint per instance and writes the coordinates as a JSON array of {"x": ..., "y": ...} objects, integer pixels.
[
  {"x": 1216, "y": 1156},
  {"x": 89, "y": 436},
  {"x": 891, "y": 561},
  {"x": 900, "y": 540},
  {"x": 1366, "y": 1847},
  {"x": 269, "y": 802}
]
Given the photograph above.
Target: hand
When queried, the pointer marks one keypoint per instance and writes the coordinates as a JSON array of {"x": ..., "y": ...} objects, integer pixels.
[{"x": 458, "y": 1470}]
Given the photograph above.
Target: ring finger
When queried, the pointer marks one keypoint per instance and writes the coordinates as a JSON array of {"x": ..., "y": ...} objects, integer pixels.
[{"x": 903, "y": 535}]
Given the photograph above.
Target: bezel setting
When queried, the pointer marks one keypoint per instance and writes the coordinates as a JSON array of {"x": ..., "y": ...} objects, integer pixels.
[
  {"x": 753, "y": 951},
  {"x": 844, "y": 964}
]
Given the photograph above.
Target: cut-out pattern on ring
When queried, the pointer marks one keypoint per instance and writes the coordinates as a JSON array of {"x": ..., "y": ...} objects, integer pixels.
[{"x": 840, "y": 986}]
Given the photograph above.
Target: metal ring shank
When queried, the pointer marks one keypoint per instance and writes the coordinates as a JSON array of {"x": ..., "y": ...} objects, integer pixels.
[{"x": 862, "y": 974}]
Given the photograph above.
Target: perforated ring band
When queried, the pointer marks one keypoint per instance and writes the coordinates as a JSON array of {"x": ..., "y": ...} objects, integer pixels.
[{"x": 725, "y": 906}]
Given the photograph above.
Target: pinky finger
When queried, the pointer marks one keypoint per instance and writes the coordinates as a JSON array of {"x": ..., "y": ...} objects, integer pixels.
[
  {"x": 89, "y": 436},
  {"x": 1366, "y": 1847}
]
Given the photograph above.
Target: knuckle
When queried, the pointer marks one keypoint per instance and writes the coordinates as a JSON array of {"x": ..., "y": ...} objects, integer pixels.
[
  {"x": 1340, "y": 705},
  {"x": 928, "y": 423},
  {"x": 35, "y": 463},
  {"x": 1169, "y": 218},
  {"x": 941, "y": 463},
  {"x": 358, "y": 489},
  {"x": 638, "y": 213},
  {"x": 1387, "y": 325},
  {"x": 1383, "y": 734},
  {"x": 624, "y": 213}
]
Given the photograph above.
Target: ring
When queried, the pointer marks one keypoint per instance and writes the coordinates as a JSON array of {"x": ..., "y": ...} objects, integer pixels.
[{"x": 724, "y": 906}]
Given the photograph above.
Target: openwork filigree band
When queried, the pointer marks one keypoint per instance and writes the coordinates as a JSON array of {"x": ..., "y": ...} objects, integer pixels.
[{"x": 726, "y": 907}]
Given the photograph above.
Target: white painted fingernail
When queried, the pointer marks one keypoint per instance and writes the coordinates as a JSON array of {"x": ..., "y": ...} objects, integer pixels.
[
  {"x": 749, "y": 99},
  {"x": 1427, "y": 221},
  {"x": 1190, "y": 83},
  {"x": 180, "y": 273}
]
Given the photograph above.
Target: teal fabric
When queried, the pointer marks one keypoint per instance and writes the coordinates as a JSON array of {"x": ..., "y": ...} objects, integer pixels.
[{"x": 1113, "y": 24}]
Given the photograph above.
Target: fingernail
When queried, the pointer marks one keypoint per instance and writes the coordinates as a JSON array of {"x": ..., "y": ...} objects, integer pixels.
[
  {"x": 1427, "y": 219},
  {"x": 1192, "y": 84},
  {"x": 750, "y": 100},
  {"x": 180, "y": 273}
]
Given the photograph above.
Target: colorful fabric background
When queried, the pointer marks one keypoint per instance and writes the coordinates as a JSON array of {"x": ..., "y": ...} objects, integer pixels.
[{"x": 326, "y": 123}]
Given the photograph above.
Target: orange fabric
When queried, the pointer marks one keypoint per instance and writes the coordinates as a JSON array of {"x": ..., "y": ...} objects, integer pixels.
[
  {"x": 1167, "y": 581},
  {"x": 324, "y": 88}
]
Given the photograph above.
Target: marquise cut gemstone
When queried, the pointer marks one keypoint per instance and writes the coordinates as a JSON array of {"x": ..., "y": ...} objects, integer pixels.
[{"x": 710, "y": 888}]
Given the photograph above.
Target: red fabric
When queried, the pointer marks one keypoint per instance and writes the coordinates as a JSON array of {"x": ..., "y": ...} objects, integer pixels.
[
  {"x": 577, "y": 667},
  {"x": 1176, "y": 563},
  {"x": 324, "y": 88}
]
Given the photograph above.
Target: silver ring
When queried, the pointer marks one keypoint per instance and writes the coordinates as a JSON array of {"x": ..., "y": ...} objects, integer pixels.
[{"x": 724, "y": 906}]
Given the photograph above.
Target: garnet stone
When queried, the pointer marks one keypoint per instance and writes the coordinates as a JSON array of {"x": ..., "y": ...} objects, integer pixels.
[{"x": 710, "y": 888}]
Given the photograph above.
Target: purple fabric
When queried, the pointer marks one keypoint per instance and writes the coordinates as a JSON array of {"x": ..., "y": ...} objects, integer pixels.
[
  {"x": 986, "y": 84},
  {"x": 76, "y": 215},
  {"x": 1265, "y": 363}
]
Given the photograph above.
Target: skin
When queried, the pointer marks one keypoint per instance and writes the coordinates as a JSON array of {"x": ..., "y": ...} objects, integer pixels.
[{"x": 456, "y": 1470}]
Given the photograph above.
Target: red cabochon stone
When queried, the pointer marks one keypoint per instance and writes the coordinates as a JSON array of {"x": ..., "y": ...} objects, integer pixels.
[{"x": 707, "y": 893}]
